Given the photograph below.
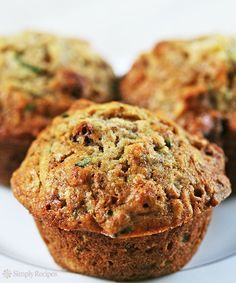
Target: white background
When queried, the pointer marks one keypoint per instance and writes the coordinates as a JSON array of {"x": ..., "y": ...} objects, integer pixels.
[{"x": 120, "y": 29}]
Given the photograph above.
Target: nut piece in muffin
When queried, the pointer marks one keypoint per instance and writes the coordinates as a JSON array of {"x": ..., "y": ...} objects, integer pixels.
[
  {"x": 124, "y": 181},
  {"x": 194, "y": 81},
  {"x": 41, "y": 75}
]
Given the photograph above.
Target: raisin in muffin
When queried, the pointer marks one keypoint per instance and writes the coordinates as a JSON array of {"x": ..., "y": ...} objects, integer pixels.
[
  {"x": 119, "y": 192},
  {"x": 194, "y": 82},
  {"x": 41, "y": 75}
]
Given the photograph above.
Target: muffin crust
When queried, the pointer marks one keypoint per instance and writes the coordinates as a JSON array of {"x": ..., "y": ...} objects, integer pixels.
[
  {"x": 41, "y": 75},
  {"x": 177, "y": 76},
  {"x": 120, "y": 171},
  {"x": 125, "y": 259},
  {"x": 192, "y": 81}
]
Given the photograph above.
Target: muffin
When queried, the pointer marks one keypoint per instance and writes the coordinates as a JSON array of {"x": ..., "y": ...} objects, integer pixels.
[
  {"x": 41, "y": 75},
  {"x": 119, "y": 192},
  {"x": 193, "y": 81}
]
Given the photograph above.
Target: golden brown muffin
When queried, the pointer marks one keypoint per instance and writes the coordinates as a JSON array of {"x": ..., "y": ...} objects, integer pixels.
[
  {"x": 126, "y": 258},
  {"x": 118, "y": 175},
  {"x": 193, "y": 81},
  {"x": 41, "y": 75}
]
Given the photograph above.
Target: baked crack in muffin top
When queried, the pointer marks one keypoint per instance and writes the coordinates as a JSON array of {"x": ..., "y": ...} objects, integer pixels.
[
  {"x": 40, "y": 77},
  {"x": 119, "y": 170}
]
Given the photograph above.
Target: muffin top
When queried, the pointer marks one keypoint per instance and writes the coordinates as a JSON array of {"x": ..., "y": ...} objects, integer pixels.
[
  {"x": 185, "y": 76},
  {"x": 120, "y": 171},
  {"x": 41, "y": 75}
]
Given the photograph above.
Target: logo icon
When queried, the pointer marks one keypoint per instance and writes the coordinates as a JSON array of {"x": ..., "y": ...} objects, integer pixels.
[{"x": 7, "y": 273}]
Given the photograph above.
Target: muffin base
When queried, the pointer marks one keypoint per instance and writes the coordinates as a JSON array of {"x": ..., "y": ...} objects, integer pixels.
[
  {"x": 123, "y": 259},
  {"x": 11, "y": 156}
]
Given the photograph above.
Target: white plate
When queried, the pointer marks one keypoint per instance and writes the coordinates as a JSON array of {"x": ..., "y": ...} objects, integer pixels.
[{"x": 119, "y": 30}]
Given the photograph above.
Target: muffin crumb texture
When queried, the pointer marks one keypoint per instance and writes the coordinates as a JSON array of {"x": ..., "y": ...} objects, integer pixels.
[
  {"x": 120, "y": 171},
  {"x": 194, "y": 82},
  {"x": 41, "y": 75},
  {"x": 178, "y": 76}
]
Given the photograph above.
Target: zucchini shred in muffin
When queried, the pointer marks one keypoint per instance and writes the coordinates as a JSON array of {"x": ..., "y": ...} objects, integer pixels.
[
  {"x": 118, "y": 192},
  {"x": 194, "y": 81},
  {"x": 41, "y": 75}
]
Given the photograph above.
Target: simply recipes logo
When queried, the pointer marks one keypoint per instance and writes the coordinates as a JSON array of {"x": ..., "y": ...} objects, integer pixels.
[{"x": 8, "y": 273}]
